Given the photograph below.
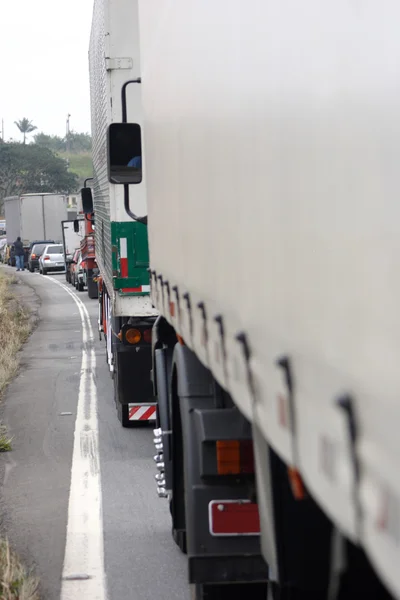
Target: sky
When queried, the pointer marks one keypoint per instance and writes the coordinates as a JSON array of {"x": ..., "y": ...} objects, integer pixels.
[{"x": 44, "y": 72}]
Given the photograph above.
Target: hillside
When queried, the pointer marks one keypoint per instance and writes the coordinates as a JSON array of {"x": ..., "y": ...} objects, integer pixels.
[{"x": 79, "y": 163}]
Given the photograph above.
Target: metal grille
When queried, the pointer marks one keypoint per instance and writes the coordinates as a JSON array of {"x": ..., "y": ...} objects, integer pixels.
[{"x": 99, "y": 98}]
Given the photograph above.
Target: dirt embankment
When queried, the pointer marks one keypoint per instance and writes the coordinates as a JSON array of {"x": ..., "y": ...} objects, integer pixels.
[{"x": 15, "y": 326}]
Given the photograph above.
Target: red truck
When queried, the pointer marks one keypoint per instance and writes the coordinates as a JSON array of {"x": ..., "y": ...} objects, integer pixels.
[{"x": 89, "y": 253}]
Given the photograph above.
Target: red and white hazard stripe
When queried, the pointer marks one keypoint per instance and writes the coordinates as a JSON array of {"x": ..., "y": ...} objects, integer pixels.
[
  {"x": 142, "y": 413},
  {"x": 142, "y": 289},
  {"x": 123, "y": 257}
]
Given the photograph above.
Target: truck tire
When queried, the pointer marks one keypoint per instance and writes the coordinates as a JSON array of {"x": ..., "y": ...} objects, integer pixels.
[
  {"x": 122, "y": 409},
  {"x": 123, "y": 415}
]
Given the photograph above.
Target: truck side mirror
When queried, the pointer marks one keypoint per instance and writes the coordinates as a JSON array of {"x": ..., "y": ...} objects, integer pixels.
[
  {"x": 76, "y": 226},
  {"x": 87, "y": 201},
  {"x": 124, "y": 153}
]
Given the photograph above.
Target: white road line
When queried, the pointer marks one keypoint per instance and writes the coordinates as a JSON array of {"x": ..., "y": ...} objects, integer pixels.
[{"x": 83, "y": 573}]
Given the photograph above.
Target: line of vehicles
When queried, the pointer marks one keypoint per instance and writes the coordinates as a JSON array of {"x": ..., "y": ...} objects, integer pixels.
[
  {"x": 242, "y": 231},
  {"x": 245, "y": 236}
]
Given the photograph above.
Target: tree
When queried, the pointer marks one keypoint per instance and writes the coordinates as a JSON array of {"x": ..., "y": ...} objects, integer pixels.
[
  {"x": 25, "y": 126},
  {"x": 52, "y": 142},
  {"x": 80, "y": 142},
  {"x": 32, "y": 169}
]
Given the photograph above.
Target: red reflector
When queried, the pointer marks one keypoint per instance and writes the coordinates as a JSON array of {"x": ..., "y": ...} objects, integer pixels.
[
  {"x": 233, "y": 517},
  {"x": 147, "y": 336},
  {"x": 139, "y": 289}
]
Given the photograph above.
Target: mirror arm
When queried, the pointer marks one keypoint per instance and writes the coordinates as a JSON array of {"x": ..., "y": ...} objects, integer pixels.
[
  {"x": 128, "y": 210},
  {"x": 123, "y": 98}
]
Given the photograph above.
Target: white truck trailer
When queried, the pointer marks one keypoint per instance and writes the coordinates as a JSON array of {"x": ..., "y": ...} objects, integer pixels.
[
  {"x": 126, "y": 314},
  {"x": 272, "y": 140},
  {"x": 35, "y": 216}
]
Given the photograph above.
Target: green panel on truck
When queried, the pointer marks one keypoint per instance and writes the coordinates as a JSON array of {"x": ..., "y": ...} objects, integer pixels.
[{"x": 129, "y": 241}]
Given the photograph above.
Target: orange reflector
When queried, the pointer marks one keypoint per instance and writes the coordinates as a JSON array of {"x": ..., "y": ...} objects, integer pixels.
[
  {"x": 180, "y": 340},
  {"x": 228, "y": 457},
  {"x": 296, "y": 483},
  {"x": 133, "y": 336},
  {"x": 235, "y": 457}
]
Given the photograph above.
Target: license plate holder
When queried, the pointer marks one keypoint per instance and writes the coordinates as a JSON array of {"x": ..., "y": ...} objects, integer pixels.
[{"x": 228, "y": 518}]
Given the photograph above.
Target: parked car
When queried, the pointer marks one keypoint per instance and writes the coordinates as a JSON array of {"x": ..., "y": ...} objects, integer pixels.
[
  {"x": 11, "y": 255},
  {"x": 36, "y": 249},
  {"x": 52, "y": 259},
  {"x": 70, "y": 260},
  {"x": 74, "y": 266}
]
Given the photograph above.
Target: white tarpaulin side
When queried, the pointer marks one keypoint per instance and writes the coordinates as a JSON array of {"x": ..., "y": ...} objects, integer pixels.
[{"x": 272, "y": 139}]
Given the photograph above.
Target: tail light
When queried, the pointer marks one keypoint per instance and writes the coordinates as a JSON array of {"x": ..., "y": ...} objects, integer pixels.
[
  {"x": 46, "y": 258},
  {"x": 147, "y": 336},
  {"x": 296, "y": 483},
  {"x": 235, "y": 457},
  {"x": 33, "y": 255},
  {"x": 132, "y": 336}
]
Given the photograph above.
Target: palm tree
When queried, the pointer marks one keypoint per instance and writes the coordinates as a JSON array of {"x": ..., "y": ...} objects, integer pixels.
[{"x": 25, "y": 126}]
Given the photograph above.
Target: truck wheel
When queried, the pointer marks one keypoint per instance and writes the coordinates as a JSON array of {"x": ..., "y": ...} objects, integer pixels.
[
  {"x": 122, "y": 409},
  {"x": 123, "y": 415},
  {"x": 177, "y": 503}
]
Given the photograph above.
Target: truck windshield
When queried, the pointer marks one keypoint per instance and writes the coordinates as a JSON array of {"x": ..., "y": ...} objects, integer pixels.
[{"x": 55, "y": 250}]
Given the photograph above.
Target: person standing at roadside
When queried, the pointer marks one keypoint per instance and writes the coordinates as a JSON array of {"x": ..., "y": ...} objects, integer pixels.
[{"x": 19, "y": 254}]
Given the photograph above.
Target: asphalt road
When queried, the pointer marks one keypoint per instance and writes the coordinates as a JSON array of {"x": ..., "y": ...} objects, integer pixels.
[{"x": 128, "y": 535}]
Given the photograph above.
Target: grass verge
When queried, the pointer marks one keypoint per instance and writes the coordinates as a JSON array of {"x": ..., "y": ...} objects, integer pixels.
[
  {"x": 16, "y": 583},
  {"x": 15, "y": 328}
]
